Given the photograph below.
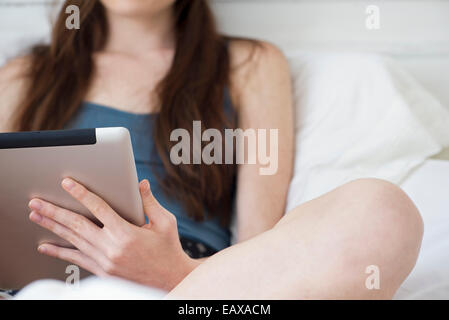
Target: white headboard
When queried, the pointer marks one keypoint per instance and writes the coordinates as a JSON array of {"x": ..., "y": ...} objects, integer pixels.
[{"x": 406, "y": 26}]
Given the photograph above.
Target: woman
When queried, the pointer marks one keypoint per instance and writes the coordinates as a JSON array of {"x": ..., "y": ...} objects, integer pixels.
[{"x": 154, "y": 66}]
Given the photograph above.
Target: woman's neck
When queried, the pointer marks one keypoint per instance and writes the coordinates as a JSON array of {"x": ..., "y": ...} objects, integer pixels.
[{"x": 137, "y": 35}]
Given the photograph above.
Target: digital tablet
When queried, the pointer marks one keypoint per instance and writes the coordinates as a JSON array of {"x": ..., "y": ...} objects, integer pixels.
[{"x": 33, "y": 164}]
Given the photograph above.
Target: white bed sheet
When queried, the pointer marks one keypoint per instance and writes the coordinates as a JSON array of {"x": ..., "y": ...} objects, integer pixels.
[{"x": 428, "y": 187}]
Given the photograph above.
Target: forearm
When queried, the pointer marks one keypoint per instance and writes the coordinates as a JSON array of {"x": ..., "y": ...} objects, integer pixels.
[
  {"x": 259, "y": 210},
  {"x": 181, "y": 271}
]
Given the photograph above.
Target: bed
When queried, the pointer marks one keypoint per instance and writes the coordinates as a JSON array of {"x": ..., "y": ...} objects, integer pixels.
[{"x": 407, "y": 59}]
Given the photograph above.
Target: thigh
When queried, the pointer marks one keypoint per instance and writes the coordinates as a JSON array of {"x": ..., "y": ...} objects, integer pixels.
[{"x": 321, "y": 249}]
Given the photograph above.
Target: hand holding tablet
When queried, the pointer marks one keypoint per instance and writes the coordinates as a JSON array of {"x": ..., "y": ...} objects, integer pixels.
[{"x": 151, "y": 255}]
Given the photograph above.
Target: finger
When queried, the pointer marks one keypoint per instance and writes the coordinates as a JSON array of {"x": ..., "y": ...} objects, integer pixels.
[
  {"x": 66, "y": 234},
  {"x": 97, "y": 206},
  {"x": 153, "y": 210},
  {"x": 73, "y": 221},
  {"x": 73, "y": 256}
]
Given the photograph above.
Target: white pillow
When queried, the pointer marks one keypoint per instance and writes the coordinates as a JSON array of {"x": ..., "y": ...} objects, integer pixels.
[
  {"x": 427, "y": 187},
  {"x": 359, "y": 115}
]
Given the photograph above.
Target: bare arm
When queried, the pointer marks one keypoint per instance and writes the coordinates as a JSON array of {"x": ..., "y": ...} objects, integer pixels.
[
  {"x": 12, "y": 87},
  {"x": 262, "y": 92}
]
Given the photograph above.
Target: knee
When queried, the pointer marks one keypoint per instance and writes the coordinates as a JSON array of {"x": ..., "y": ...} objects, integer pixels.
[
  {"x": 385, "y": 206},
  {"x": 390, "y": 225}
]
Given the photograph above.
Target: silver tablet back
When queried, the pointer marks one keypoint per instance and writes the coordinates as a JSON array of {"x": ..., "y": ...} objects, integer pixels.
[{"x": 33, "y": 165}]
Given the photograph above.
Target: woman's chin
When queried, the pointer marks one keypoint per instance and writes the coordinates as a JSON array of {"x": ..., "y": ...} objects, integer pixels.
[{"x": 136, "y": 8}]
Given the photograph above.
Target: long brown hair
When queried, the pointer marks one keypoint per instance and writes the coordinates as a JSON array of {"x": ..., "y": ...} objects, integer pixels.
[{"x": 60, "y": 75}]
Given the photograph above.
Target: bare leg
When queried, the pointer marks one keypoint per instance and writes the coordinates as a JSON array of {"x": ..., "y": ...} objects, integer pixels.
[{"x": 320, "y": 250}]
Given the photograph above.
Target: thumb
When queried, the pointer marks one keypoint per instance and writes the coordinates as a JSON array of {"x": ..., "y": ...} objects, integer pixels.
[{"x": 152, "y": 208}]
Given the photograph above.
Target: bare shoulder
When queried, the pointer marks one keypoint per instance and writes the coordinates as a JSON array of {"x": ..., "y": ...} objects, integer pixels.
[
  {"x": 13, "y": 81},
  {"x": 250, "y": 53},
  {"x": 257, "y": 66},
  {"x": 14, "y": 72}
]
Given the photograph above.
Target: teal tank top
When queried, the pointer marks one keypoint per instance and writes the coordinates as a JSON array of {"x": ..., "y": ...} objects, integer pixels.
[{"x": 90, "y": 115}]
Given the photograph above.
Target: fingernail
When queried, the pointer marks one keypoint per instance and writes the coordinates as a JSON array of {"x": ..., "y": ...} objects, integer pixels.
[
  {"x": 144, "y": 186},
  {"x": 35, "y": 205},
  {"x": 68, "y": 184},
  {"x": 35, "y": 217},
  {"x": 41, "y": 249}
]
